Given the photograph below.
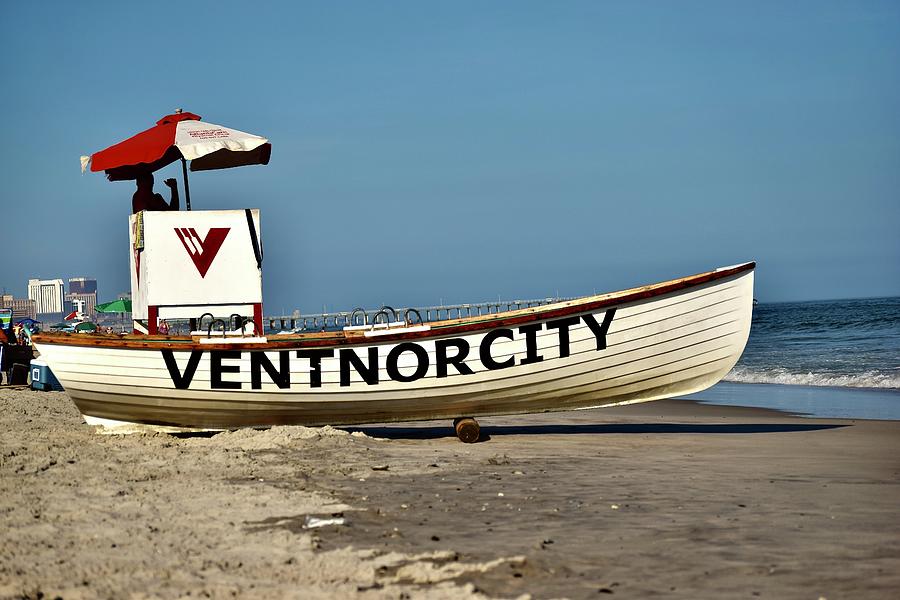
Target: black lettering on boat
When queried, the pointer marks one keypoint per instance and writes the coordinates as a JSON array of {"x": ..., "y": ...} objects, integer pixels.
[
  {"x": 563, "y": 326},
  {"x": 531, "y": 354},
  {"x": 315, "y": 357},
  {"x": 280, "y": 376},
  {"x": 369, "y": 373},
  {"x": 368, "y": 368},
  {"x": 216, "y": 369},
  {"x": 393, "y": 357},
  {"x": 181, "y": 380},
  {"x": 601, "y": 330},
  {"x": 484, "y": 350},
  {"x": 441, "y": 360}
]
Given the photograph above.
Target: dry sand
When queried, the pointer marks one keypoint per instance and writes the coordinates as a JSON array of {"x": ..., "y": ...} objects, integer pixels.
[{"x": 669, "y": 498}]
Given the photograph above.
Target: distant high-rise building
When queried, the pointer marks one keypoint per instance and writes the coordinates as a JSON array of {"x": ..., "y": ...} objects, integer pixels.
[
  {"x": 47, "y": 295},
  {"x": 82, "y": 285},
  {"x": 22, "y": 308}
]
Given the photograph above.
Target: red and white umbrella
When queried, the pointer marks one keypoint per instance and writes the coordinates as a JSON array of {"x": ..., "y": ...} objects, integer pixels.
[{"x": 180, "y": 136}]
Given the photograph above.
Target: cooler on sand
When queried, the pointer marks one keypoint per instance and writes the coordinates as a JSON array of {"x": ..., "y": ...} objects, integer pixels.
[{"x": 42, "y": 378}]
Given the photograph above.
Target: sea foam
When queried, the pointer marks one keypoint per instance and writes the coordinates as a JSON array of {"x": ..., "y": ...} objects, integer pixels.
[{"x": 866, "y": 379}]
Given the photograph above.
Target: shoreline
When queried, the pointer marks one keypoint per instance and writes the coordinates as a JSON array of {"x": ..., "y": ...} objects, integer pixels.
[{"x": 806, "y": 401}]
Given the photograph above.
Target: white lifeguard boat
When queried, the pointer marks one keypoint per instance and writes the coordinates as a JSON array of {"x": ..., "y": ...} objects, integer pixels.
[{"x": 647, "y": 343}]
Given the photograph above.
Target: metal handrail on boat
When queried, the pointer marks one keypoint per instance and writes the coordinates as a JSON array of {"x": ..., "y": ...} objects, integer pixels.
[
  {"x": 359, "y": 309},
  {"x": 224, "y": 327},
  {"x": 248, "y": 321},
  {"x": 212, "y": 319},
  {"x": 384, "y": 311}
]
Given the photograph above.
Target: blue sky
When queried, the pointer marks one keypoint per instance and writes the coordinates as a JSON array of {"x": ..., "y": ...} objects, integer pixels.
[{"x": 427, "y": 152}]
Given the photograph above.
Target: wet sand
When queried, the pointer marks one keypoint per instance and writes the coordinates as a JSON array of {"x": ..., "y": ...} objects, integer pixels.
[{"x": 668, "y": 498}]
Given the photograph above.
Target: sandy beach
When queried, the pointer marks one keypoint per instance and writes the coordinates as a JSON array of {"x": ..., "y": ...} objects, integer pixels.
[{"x": 670, "y": 498}]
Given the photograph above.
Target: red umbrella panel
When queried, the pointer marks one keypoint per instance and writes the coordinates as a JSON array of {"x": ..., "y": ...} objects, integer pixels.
[{"x": 180, "y": 136}]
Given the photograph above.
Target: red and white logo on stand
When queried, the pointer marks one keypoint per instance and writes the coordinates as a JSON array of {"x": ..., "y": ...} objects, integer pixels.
[{"x": 204, "y": 251}]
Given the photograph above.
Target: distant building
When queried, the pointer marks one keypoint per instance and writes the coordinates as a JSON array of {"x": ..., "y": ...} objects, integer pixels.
[
  {"x": 90, "y": 301},
  {"x": 22, "y": 308},
  {"x": 47, "y": 295},
  {"x": 82, "y": 285}
]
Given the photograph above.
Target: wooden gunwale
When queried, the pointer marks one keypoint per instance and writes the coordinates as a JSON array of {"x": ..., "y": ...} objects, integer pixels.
[{"x": 438, "y": 329}]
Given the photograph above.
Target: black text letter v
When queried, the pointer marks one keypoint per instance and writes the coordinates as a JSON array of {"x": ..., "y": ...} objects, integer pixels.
[{"x": 182, "y": 381}]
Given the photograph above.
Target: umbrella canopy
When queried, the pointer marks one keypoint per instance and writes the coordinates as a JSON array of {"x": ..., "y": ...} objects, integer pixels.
[
  {"x": 116, "y": 306},
  {"x": 181, "y": 135}
]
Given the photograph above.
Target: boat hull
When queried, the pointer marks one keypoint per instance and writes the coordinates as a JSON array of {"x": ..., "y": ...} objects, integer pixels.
[{"x": 644, "y": 344}]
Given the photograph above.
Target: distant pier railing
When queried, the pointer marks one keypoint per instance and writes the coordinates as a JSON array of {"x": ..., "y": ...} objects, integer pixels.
[{"x": 329, "y": 321}]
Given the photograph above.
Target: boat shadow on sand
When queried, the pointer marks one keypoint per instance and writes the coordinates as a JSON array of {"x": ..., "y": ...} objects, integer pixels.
[{"x": 432, "y": 432}]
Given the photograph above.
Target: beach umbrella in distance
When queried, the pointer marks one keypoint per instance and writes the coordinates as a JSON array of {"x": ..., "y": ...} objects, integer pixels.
[
  {"x": 183, "y": 136},
  {"x": 116, "y": 306}
]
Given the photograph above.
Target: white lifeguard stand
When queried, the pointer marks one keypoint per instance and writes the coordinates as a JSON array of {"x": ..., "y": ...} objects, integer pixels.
[{"x": 188, "y": 263}]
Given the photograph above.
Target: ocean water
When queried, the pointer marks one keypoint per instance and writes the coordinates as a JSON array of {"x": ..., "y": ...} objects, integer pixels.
[
  {"x": 839, "y": 343},
  {"x": 838, "y": 358}
]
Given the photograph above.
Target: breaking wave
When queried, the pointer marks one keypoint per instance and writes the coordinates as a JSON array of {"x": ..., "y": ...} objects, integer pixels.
[{"x": 867, "y": 379}]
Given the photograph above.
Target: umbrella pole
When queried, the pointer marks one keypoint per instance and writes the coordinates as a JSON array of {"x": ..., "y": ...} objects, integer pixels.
[{"x": 187, "y": 189}]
